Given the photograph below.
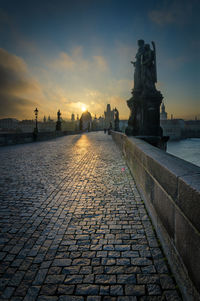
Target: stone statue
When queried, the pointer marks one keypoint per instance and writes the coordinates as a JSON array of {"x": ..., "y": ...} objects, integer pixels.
[
  {"x": 138, "y": 66},
  {"x": 148, "y": 69},
  {"x": 58, "y": 123},
  {"x": 116, "y": 120},
  {"x": 58, "y": 114},
  {"x": 144, "y": 105}
]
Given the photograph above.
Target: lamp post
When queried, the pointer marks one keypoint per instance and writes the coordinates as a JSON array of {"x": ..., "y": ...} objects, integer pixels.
[{"x": 36, "y": 123}]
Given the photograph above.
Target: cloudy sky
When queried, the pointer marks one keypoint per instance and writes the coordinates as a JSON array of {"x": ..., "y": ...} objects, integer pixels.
[{"x": 76, "y": 53}]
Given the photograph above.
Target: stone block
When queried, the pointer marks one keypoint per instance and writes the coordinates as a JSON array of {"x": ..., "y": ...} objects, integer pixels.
[
  {"x": 189, "y": 198},
  {"x": 187, "y": 242},
  {"x": 164, "y": 207},
  {"x": 164, "y": 167}
]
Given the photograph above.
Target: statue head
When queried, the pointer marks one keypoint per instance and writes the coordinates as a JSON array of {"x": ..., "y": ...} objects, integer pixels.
[
  {"x": 140, "y": 43},
  {"x": 147, "y": 47}
]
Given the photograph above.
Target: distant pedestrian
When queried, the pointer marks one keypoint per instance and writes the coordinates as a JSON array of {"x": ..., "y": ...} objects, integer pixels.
[{"x": 110, "y": 128}]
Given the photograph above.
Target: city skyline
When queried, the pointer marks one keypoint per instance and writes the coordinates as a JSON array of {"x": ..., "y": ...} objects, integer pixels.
[{"x": 64, "y": 55}]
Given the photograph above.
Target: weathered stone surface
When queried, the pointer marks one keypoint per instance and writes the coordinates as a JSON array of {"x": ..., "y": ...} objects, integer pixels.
[
  {"x": 65, "y": 289},
  {"x": 189, "y": 197},
  {"x": 171, "y": 191},
  {"x": 188, "y": 245},
  {"x": 165, "y": 209},
  {"x": 78, "y": 234},
  {"x": 134, "y": 290}
]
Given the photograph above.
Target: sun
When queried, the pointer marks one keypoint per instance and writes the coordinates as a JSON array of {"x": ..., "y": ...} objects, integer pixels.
[{"x": 83, "y": 109}]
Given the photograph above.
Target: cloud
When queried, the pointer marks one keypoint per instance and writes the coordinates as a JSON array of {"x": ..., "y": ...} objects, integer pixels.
[
  {"x": 100, "y": 62},
  {"x": 64, "y": 61},
  {"x": 12, "y": 106},
  {"x": 16, "y": 87},
  {"x": 177, "y": 12},
  {"x": 77, "y": 62}
]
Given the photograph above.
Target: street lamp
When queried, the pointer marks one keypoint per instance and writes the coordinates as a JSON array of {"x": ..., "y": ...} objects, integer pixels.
[{"x": 36, "y": 123}]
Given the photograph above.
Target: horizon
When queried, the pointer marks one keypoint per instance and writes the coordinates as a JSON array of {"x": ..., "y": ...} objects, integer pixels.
[{"x": 64, "y": 55}]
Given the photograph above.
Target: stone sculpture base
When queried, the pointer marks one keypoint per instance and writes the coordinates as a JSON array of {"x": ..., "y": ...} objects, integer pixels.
[
  {"x": 157, "y": 141},
  {"x": 144, "y": 121},
  {"x": 58, "y": 125}
]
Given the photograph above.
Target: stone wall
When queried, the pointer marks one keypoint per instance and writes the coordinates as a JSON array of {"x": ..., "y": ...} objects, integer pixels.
[
  {"x": 18, "y": 138},
  {"x": 171, "y": 190}
]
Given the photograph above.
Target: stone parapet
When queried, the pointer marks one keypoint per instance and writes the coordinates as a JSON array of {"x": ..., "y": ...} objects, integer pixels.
[
  {"x": 18, "y": 138},
  {"x": 171, "y": 190}
]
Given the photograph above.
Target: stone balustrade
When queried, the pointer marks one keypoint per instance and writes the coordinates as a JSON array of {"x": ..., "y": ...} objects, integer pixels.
[{"x": 171, "y": 190}]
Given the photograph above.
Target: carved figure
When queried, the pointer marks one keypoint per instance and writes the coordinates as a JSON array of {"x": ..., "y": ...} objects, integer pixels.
[
  {"x": 58, "y": 114},
  {"x": 137, "y": 65},
  {"x": 148, "y": 74},
  {"x": 116, "y": 121}
]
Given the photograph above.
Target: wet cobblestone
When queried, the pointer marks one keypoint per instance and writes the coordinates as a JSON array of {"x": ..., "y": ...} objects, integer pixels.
[{"x": 74, "y": 227}]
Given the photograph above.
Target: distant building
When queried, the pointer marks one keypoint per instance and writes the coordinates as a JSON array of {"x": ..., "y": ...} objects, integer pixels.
[
  {"x": 8, "y": 124},
  {"x": 48, "y": 125},
  {"x": 109, "y": 116},
  {"x": 174, "y": 128},
  {"x": 163, "y": 113},
  {"x": 123, "y": 125},
  {"x": 86, "y": 121},
  {"x": 192, "y": 128},
  {"x": 94, "y": 123},
  {"x": 101, "y": 123},
  {"x": 72, "y": 117},
  {"x": 27, "y": 126}
]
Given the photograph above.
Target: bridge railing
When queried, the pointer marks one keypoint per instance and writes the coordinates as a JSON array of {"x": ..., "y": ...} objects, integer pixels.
[
  {"x": 18, "y": 138},
  {"x": 171, "y": 191}
]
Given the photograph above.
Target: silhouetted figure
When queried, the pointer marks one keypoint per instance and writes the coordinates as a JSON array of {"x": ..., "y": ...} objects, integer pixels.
[
  {"x": 58, "y": 123},
  {"x": 116, "y": 120},
  {"x": 144, "y": 120},
  {"x": 138, "y": 67},
  {"x": 110, "y": 128},
  {"x": 148, "y": 72}
]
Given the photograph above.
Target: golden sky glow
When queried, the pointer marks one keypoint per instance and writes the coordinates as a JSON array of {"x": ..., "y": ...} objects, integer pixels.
[{"x": 68, "y": 55}]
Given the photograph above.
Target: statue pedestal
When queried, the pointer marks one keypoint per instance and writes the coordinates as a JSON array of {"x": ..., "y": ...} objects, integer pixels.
[
  {"x": 144, "y": 121},
  {"x": 58, "y": 125}
]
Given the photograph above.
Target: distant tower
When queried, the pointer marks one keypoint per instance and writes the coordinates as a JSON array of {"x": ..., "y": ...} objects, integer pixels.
[
  {"x": 44, "y": 119},
  {"x": 72, "y": 117},
  {"x": 109, "y": 117},
  {"x": 77, "y": 117},
  {"x": 163, "y": 114}
]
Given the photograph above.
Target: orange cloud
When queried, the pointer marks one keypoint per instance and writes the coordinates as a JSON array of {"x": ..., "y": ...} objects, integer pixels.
[
  {"x": 17, "y": 89},
  {"x": 76, "y": 62},
  {"x": 100, "y": 62},
  {"x": 64, "y": 62}
]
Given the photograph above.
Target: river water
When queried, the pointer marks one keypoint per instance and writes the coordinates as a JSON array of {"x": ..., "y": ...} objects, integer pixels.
[{"x": 187, "y": 149}]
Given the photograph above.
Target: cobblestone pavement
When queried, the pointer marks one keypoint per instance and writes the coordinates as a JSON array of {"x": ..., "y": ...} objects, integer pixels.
[{"x": 74, "y": 227}]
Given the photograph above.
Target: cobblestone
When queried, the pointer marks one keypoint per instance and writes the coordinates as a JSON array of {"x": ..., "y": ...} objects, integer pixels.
[{"x": 74, "y": 227}]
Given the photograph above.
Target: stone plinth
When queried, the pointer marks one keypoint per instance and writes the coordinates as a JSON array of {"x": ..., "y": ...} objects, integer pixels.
[{"x": 144, "y": 121}]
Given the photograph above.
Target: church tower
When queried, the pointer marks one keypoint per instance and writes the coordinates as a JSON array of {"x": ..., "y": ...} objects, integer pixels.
[{"x": 163, "y": 114}]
